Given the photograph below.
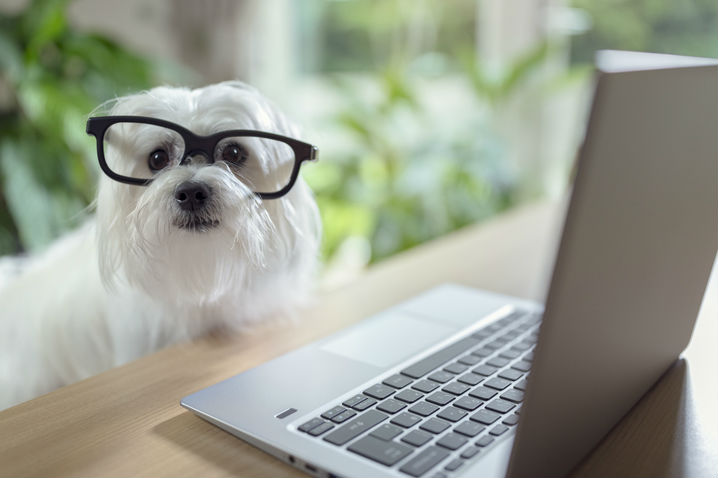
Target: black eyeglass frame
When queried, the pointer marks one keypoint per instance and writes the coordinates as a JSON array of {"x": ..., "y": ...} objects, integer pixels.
[{"x": 98, "y": 125}]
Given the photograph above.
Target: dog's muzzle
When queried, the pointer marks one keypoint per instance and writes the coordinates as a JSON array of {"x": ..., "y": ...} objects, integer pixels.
[
  {"x": 192, "y": 196},
  {"x": 194, "y": 199}
]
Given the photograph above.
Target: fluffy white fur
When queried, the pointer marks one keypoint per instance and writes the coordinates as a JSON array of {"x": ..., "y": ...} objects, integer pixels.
[{"x": 130, "y": 281}]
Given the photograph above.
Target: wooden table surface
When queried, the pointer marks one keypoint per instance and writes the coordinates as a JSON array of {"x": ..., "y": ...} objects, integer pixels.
[{"x": 128, "y": 422}]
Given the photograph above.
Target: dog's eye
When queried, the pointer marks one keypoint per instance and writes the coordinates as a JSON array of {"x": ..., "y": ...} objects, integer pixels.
[
  {"x": 234, "y": 153},
  {"x": 158, "y": 160}
]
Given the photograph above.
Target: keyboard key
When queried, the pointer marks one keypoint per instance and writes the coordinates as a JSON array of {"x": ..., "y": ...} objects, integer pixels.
[
  {"x": 434, "y": 425},
  {"x": 313, "y": 423},
  {"x": 440, "y": 376},
  {"x": 510, "y": 335},
  {"x": 510, "y": 354},
  {"x": 495, "y": 327},
  {"x": 501, "y": 406},
  {"x": 511, "y": 420},
  {"x": 344, "y": 416},
  {"x": 354, "y": 401},
  {"x": 456, "y": 388},
  {"x": 482, "y": 352},
  {"x": 424, "y": 461},
  {"x": 513, "y": 395},
  {"x": 507, "y": 336},
  {"x": 350, "y": 402},
  {"x": 425, "y": 386},
  {"x": 482, "y": 393},
  {"x": 498, "y": 430},
  {"x": 406, "y": 420},
  {"x": 497, "y": 383},
  {"x": 496, "y": 344},
  {"x": 408, "y": 396},
  {"x": 329, "y": 414},
  {"x": 424, "y": 409},
  {"x": 498, "y": 362},
  {"x": 485, "y": 370},
  {"x": 391, "y": 406},
  {"x": 440, "y": 398},
  {"x": 397, "y": 381},
  {"x": 451, "y": 414},
  {"x": 363, "y": 405},
  {"x": 323, "y": 428},
  {"x": 439, "y": 358},
  {"x": 523, "y": 366},
  {"x": 482, "y": 334},
  {"x": 485, "y": 416},
  {"x": 454, "y": 465},
  {"x": 452, "y": 441},
  {"x": 470, "y": 378},
  {"x": 521, "y": 385},
  {"x": 386, "y": 432},
  {"x": 522, "y": 346},
  {"x": 468, "y": 403},
  {"x": 416, "y": 438},
  {"x": 355, "y": 427},
  {"x": 485, "y": 441},
  {"x": 511, "y": 374},
  {"x": 470, "y": 429},
  {"x": 470, "y": 359},
  {"x": 470, "y": 452},
  {"x": 456, "y": 368},
  {"x": 379, "y": 391},
  {"x": 386, "y": 453}
]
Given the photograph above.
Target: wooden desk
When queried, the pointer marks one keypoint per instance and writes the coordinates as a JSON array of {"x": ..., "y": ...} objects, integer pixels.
[{"x": 128, "y": 422}]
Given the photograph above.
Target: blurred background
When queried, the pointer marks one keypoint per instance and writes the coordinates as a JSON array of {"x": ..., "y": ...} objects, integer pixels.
[{"x": 430, "y": 114}]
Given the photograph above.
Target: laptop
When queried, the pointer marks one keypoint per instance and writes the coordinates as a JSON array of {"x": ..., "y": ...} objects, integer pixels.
[{"x": 466, "y": 382}]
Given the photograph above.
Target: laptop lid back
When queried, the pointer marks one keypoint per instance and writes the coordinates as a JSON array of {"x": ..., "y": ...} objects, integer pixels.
[{"x": 638, "y": 244}]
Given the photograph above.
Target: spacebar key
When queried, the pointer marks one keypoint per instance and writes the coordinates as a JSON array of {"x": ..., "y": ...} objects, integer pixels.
[
  {"x": 422, "y": 367},
  {"x": 356, "y": 427},
  {"x": 425, "y": 461}
]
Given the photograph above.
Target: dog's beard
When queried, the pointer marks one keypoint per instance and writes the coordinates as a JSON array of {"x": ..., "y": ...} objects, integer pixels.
[{"x": 192, "y": 256}]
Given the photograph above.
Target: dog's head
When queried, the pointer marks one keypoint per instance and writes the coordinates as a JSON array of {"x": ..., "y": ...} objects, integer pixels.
[{"x": 200, "y": 230}]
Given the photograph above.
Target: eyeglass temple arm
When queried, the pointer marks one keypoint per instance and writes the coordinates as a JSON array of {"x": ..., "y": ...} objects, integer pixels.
[{"x": 313, "y": 154}]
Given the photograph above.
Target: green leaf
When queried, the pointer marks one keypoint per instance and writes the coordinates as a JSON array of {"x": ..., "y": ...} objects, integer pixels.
[{"x": 44, "y": 22}]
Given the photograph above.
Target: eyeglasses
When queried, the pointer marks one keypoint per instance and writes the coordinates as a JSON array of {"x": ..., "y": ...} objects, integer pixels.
[{"x": 139, "y": 148}]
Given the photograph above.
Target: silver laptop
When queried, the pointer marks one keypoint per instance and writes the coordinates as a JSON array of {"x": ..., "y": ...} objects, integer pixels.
[{"x": 463, "y": 382}]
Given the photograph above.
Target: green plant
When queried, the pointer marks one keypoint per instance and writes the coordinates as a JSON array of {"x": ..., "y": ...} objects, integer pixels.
[
  {"x": 684, "y": 27},
  {"x": 51, "y": 77},
  {"x": 397, "y": 188}
]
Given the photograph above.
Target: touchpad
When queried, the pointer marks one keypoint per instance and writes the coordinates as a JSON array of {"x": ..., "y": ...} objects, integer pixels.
[{"x": 387, "y": 339}]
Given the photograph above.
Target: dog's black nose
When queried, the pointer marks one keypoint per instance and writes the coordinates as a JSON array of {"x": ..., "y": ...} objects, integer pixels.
[{"x": 192, "y": 195}]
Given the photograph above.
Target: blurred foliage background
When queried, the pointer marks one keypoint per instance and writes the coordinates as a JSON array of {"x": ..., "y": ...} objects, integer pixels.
[
  {"x": 419, "y": 127},
  {"x": 52, "y": 77}
]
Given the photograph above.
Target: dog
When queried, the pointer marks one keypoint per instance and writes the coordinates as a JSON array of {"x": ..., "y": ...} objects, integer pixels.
[{"x": 190, "y": 248}]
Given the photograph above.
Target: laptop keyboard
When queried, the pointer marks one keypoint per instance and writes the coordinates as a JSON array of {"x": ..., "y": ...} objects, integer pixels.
[{"x": 443, "y": 410}]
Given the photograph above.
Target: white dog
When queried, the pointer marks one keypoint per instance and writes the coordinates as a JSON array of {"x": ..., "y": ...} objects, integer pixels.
[{"x": 207, "y": 244}]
